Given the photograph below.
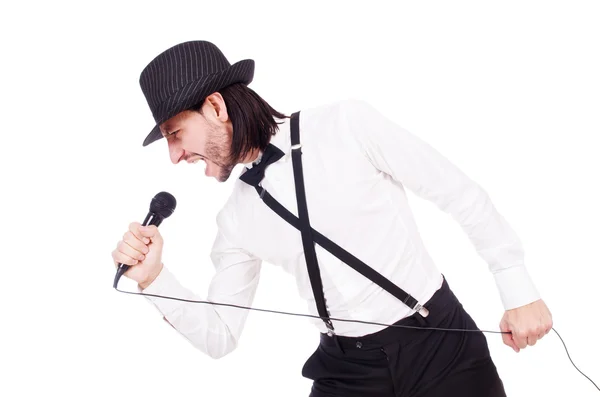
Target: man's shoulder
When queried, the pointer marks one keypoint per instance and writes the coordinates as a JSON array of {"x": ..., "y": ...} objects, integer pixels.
[{"x": 341, "y": 113}]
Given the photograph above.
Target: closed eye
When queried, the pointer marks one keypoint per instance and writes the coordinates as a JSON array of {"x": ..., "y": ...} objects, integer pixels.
[{"x": 171, "y": 133}]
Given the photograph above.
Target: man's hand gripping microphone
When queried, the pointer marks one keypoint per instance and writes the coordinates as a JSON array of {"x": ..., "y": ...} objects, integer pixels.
[{"x": 161, "y": 207}]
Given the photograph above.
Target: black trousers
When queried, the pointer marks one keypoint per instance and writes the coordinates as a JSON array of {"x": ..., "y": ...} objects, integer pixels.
[{"x": 404, "y": 362}]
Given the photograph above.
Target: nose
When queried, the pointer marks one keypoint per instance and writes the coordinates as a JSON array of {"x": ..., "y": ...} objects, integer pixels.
[{"x": 175, "y": 151}]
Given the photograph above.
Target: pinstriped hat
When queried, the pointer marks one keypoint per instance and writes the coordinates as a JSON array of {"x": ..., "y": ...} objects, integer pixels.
[{"x": 184, "y": 75}]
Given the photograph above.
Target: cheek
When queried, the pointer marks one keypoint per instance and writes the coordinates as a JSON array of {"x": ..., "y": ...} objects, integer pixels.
[{"x": 193, "y": 143}]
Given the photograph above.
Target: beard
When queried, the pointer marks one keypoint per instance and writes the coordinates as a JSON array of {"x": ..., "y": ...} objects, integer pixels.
[
  {"x": 225, "y": 173},
  {"x": 218, "y": 148}
]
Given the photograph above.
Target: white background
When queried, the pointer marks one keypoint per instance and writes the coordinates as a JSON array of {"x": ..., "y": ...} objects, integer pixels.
[{"x": 508, "y": 90}]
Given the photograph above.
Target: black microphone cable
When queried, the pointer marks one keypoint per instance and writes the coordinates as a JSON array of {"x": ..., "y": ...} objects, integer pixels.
[{"x": 349, "y": 321}]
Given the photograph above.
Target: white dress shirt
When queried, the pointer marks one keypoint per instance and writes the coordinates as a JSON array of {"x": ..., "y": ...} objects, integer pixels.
[{"x": 357, "y": 164}]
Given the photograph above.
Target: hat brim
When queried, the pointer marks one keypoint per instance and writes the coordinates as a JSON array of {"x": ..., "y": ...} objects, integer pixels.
[{"x": 192, "y": 93}]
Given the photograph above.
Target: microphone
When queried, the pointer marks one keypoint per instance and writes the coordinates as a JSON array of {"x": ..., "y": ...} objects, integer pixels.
[{"x": 161, "y": 207}]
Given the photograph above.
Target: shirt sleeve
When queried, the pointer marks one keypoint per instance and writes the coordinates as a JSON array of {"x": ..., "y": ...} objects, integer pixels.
[
  {"x": 214, "y": 330},
  {"x": 420, "y": 168}
]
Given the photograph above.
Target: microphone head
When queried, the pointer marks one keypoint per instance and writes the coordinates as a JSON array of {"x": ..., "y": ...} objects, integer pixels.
[{"x": 163, "y": 204}]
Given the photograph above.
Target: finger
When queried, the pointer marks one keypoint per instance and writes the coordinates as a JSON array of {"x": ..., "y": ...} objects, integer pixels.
[
  {"x": 118, "y": 263},
  {"x": 513, "y": 338},
  {"x": 520, "y": 339},
  {"x": 120, "y": 257},
  {"x": 540, "y": 332},
  {"x": 532, "y": 340},
  {"x": 507, "y": 337},
  {"x": 129, "y": 251},
  {"x": 513, "y": 344},
  {"x": 134, "y": 228},
  {"x": 135, "y": 242},
  {"x": 150, "y": 232},
  {"x": 508, "y": 341}
]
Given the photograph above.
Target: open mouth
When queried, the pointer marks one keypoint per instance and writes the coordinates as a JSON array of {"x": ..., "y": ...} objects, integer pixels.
[{"x": 194, "y": 161}]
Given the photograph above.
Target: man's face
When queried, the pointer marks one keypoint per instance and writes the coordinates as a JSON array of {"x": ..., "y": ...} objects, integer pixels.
[{"x": 194, "y": 137}]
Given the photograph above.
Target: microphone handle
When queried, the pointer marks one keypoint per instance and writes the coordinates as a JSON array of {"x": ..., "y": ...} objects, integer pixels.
[{"x": 151, "y": 219}]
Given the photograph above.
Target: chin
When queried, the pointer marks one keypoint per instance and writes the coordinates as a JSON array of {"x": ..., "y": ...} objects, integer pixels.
[{"x": 222, "y": 178}]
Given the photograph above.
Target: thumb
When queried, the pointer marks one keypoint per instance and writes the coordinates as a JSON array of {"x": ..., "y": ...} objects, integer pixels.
[
  {"x": 507, "y": 338},
  {"x": 151, "y": 232}
]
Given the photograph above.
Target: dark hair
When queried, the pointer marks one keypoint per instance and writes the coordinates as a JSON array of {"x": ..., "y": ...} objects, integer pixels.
[{"x": 251, "y": 117}]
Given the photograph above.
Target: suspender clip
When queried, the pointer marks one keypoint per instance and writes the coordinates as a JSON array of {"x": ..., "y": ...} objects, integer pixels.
[
  {"x": 422, "y": 310},
  {"x": 329, "y": 325}
]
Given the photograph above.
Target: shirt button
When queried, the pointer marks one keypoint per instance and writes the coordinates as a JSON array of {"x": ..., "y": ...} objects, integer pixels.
[{"x": 358, "y": 344}]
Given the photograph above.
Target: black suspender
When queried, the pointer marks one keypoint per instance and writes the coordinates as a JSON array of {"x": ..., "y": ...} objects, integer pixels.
[
  {"x": 307, "y": 236},
  {"x": 311, "y": 236}
]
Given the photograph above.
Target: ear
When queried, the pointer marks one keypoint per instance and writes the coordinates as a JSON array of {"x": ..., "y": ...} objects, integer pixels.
[{"x": 217, "y": 104}]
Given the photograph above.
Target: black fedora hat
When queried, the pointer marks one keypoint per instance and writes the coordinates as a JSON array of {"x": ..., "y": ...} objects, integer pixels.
[{"x": 186, "y": 74}]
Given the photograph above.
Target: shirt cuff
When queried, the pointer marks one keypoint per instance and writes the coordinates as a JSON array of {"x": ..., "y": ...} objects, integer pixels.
[
  {"x": 516, "y": 287},
  {"x": 165, "y": 284}
]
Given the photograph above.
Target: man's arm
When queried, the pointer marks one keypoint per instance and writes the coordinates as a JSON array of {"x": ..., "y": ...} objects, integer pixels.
[
  {"x": 420, "y": 168},
  {"x": 215, "y": 330}
]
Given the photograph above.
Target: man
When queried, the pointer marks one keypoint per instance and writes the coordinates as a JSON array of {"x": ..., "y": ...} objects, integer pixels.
[{"x": 351, "y": 178}]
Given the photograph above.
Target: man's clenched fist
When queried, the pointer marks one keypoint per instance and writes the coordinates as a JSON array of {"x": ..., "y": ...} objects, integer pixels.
[{"x": 140, "y": 248}]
